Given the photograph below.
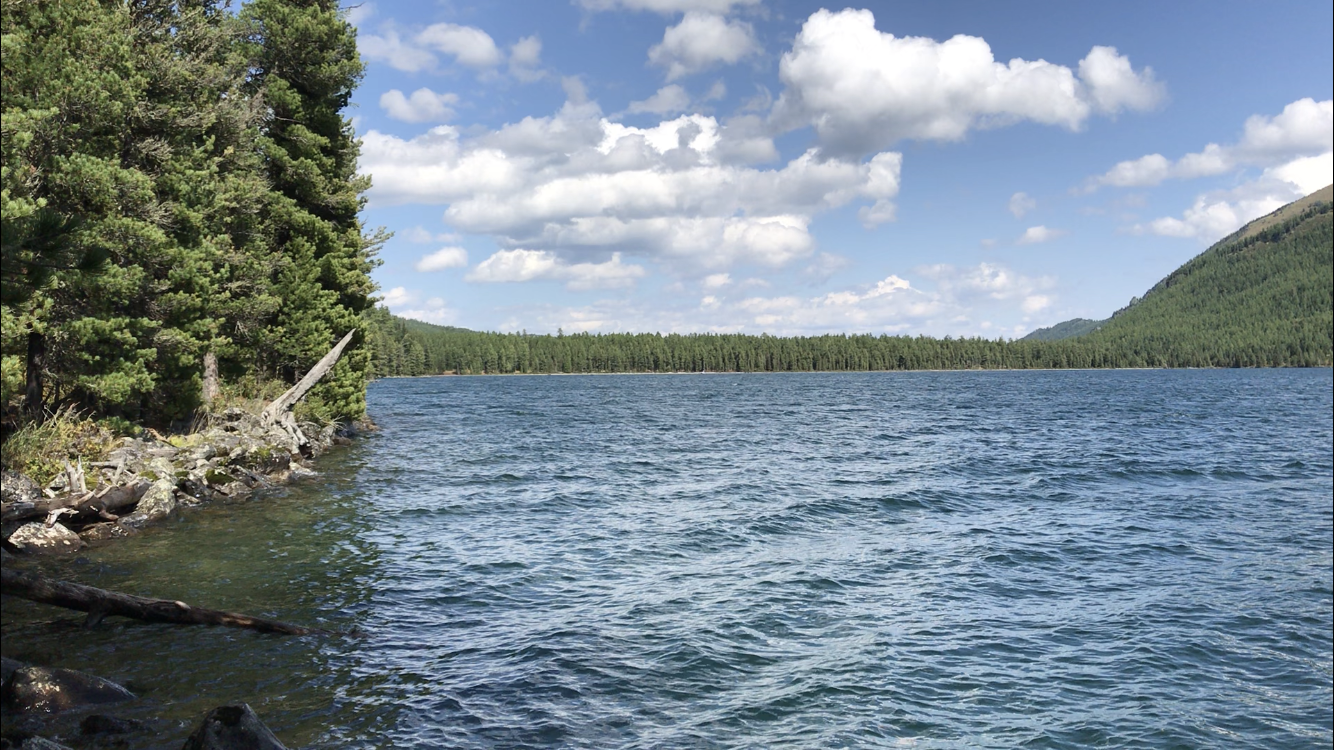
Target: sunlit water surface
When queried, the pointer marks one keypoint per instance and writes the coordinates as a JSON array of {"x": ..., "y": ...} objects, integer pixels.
[{"x": 1037, "y": 559}]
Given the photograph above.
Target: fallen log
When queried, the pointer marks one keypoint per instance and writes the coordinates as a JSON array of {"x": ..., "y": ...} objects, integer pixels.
[
  {"x": 99, "y": 603},
  {"x": 273, "y": 412},
  {"x": 107, "y": 500}
]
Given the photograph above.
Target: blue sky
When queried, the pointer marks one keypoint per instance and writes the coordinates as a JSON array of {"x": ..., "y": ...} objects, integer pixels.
[{"x": 946, "y": 168}]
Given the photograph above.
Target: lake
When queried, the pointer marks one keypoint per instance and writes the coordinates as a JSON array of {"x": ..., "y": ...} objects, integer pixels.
[{"x": 932, "y": 559}]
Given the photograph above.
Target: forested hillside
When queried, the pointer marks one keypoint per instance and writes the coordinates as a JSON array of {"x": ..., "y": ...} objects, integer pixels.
[
  {"x": 1260, "y": 298},
  {"x": 179, "y": 184}
]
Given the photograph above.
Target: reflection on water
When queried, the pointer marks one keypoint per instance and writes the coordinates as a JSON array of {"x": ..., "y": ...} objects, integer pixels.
[{"x": 1048, "y": 559}]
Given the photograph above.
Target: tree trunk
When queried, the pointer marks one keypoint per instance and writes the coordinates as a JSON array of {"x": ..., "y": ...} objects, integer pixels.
[
  {"x": 32, "y": 397},
  {"x": 98, "y": 504},
  {"x": 211, "y": 389},
  {"x": 273, "y": 412},
  {"x": 99, "y": 603}
]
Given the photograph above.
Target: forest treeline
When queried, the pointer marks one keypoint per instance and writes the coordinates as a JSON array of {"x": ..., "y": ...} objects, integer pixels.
[
  {"x": 179, "y": 185},
  {"x": 1263, "y": 301}
]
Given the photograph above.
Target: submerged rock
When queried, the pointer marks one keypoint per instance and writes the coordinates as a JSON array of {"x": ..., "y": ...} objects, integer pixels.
[
  {"x": 49, "y": 689},
  {"x": 38, "y": 538},
  {"x": 102, "y": 531},
  {"x": 234, "y": 727}
]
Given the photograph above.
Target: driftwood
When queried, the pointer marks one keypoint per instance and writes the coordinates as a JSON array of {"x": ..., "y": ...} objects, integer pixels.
[
  {"x": 100, "y": 504},
  {"x": 99, "y": 603},
  {"x": 274, "y": 412}
]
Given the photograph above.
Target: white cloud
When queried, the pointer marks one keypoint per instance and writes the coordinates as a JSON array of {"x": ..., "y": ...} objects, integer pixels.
[
  {"x": 358, "y": 14},
  {"x": 863, "y": 89},
  {"x": 717, "y": 280},
  {"x": 665, "y": 7},
  {"x": 717, "y": 91},
  {"x": 400, "y": 54},
  {"x": 526, "y": 59},
  {"x": 398, "y": 297},
  {"x": 1216, "y": 214},
  {"x": 668, "y": 100},
  {"x": 1305, "y": 128},
  {"x": 1035, "y": 303},
  {"x": 1113, "y": 85},
  {"x": 445, "y": 257},
  {"x": 1035, "y": 235},
  {"x": 576, "y": 184},
  {"x": 433, "y": 310},
  {"x": 1020, "y": 204},
  {"x": 423, "y": 106},
  {"x": 469, "y": 45},
  {"x": 528, "y": 265},
  {"x": 959, "y": 304},
  {"x": 700, "y": 41}
]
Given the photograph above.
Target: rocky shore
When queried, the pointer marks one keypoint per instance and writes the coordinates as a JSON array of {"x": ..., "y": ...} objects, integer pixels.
[
  {"x": 137, "y": 482},
  {"x": 145, "y": 479}
]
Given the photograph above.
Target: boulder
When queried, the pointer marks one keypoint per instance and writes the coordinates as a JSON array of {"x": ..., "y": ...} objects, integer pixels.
[
  {"x": 38, "y": 538},
  {"x": 49, "y": 689},
  {"x": 157, "y": 503},
  {"x": 233, "y": 727},
  {"x": 17, "y": 488},
  {"x": 103, "y": 724},
  {"x": 8, "y": 667},
  {"x": 99, "y": 532}
]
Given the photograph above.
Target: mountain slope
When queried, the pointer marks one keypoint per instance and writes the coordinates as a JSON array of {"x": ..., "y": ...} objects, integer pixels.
[
  {"x": 1260, "y": 296},
  {"x": 1064, "y": 330}
]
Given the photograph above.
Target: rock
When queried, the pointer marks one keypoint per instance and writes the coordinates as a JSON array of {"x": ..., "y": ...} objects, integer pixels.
[
  {"x": 41, "y": 743},
  {"x": 17, "y": 488},
  {"x": 49, "y": 689},
  {"x": 102, "y": 531},
  {"x": 8, "y": 667},
  {"x": 38, "y": 538},
  {"x": 157, "y": 503},
  {"x": 103, "y": 724},
  {"x": 234, "y": 727}
]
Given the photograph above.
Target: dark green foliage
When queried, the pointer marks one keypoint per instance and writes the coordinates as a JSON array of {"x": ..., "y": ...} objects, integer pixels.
[
  {"x": 1064, "y": 330},
  {"x": 1258, "y": 302},
  {"x": 204, "y": 156},
  {"x": 1262, "y": 300}
]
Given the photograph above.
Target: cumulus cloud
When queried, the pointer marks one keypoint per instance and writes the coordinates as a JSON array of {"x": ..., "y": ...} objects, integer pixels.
[
  {"x": 400, "y": 54},
  {"x": 863, "y": 89},
  {"x": 1035, "y": 235},
  {"x": 668, "y": 100},
  {"x": 717, "y": 280},
  {"x": 1304, "y": 129},
  {"x": 423, "y": 106},
  {"x": 466, "y": 45},
  {"x": 1112, "y": 85},
  {"x": 700, "y": 41},
  {"x": 398, "y": 297},
  {"x": 529, "y": 265},
  {"x": 1216, "y": 214},
  {"x": 445, "y": 257},
  {"x": 665, "y": 7},
  {"x": 526, "y": 59},
  {"x": 406, "y": 303},
  {"x": 1020, "y": 204},
  {"x": 578, "y": 185},
  {"x": 469, "y": 45}
]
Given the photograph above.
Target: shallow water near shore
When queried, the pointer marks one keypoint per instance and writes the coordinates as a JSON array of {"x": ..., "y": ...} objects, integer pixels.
[{"x": 934, "y": 560}]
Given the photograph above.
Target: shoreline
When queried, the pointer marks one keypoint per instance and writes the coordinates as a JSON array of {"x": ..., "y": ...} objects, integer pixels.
[{"x": 839, "y": 372}]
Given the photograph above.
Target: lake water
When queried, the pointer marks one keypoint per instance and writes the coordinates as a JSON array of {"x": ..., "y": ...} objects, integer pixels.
[{"x": 934, "y": 560}]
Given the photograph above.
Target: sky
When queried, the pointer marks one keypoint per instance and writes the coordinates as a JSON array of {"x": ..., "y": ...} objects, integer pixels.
[{"x": 791, "y": 168}]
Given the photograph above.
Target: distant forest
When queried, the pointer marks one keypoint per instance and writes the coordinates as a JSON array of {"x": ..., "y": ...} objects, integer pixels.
[{"x": 1255, "y": 301}]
